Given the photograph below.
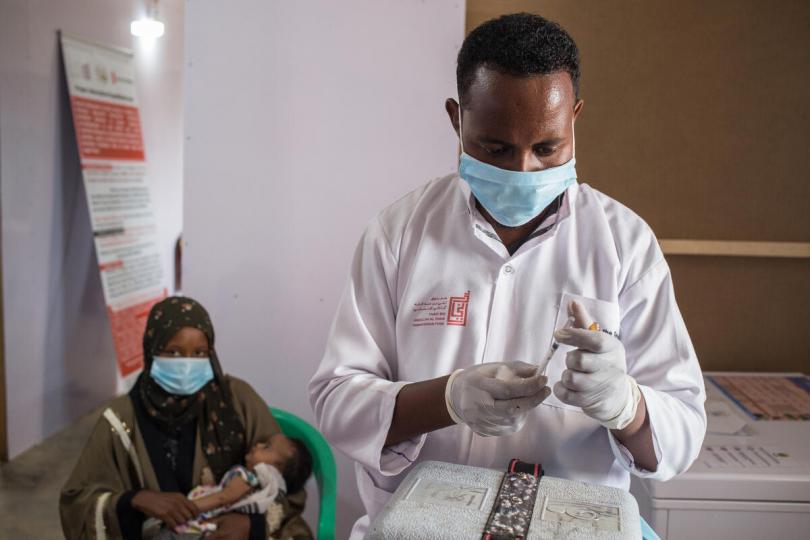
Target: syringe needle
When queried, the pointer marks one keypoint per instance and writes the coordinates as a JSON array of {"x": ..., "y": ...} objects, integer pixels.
[{"x": 554, "y": 346}]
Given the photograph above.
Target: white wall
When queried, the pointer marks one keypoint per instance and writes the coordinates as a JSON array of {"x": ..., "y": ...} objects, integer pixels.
[
  {"x": 59, "y": 357},
  {"x": 303, "y": 119}
]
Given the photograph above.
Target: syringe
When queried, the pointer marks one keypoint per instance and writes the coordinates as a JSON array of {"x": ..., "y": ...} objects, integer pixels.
[{"x": 594, "y": 326}]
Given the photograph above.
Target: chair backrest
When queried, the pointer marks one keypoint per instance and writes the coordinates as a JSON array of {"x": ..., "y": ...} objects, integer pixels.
[
  {"x": 323, "y": 467},
  {"x": 647, "y": 532}
]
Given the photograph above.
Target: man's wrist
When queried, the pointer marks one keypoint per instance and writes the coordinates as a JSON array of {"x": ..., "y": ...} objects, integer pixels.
[
  {"x": 628, "y": 413},
  {"x": 448, "y": 403},
  {"x": 419, "y": 409},
  {"x": 637, "y": 438}
]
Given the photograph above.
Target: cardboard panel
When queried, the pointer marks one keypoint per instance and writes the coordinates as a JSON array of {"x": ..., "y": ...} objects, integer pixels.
[
  {"x": 696, "y": 117},
  {"x": 745, "y": 314},
  {"x": 696, "y": 113}
]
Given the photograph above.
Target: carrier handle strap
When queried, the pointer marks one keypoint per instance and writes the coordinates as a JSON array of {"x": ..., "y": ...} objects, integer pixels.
[{"x": 512, "y": 510}]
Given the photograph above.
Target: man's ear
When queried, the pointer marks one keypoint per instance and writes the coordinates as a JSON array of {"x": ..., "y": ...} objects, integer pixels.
[
  {"x": 452, "y": 108},
  {"x": 578, "y": 107}
]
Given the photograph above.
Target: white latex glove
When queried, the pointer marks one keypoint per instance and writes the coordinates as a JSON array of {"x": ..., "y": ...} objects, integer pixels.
[
  {"x": 596, "y": 379},
  {"x": 495, "y": 398}
]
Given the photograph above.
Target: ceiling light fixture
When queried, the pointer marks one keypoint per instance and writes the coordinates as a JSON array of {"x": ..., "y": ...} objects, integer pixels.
[{"x": 148, "y": 26}]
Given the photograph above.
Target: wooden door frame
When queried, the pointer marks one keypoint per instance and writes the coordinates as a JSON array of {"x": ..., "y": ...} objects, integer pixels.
[{"x": 3, "y": 422}]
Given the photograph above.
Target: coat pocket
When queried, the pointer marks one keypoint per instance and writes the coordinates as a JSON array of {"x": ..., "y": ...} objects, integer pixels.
[{"x": 607, "y": 314}]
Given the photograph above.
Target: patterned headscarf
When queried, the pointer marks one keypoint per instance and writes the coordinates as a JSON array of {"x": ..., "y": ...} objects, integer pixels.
[{"x": 222, "y": 434}]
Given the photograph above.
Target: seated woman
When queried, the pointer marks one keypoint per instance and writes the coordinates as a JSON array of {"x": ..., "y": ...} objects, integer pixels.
[{"x": 183, "y": 424}]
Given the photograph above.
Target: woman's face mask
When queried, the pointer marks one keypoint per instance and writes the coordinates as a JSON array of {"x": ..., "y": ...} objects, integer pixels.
[
  {"x": 181, "y": 376},
  {"x": 182, "y": 366}
]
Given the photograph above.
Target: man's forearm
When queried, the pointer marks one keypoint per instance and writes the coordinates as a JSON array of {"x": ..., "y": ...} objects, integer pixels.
[
  {"x": 637, "y": 438},
  {"x": 420, "y": 408}
]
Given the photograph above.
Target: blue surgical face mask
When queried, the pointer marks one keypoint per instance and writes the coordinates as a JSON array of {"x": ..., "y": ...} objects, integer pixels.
[
  {"x": 514, "y": 198},
  {"x": 181, "y": 376}
]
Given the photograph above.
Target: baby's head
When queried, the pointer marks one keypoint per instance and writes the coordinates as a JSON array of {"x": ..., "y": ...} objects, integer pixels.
[{"x": 289, "y": 456}]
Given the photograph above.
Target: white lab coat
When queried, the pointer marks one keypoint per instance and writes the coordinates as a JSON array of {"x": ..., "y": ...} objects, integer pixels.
[{"x": 404, "y": 317}]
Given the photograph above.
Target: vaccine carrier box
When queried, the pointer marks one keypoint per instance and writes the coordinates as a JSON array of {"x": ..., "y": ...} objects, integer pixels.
[{"x": 446, "y": 501}]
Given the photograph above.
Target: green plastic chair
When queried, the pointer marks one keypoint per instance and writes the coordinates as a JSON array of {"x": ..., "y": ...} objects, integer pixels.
[
  {"x": 323, "y": 467},
  {"x": 647, "y": 532}
]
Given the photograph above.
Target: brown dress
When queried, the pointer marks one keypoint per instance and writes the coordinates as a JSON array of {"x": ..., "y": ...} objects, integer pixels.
[{"x": 105, "y": 470}]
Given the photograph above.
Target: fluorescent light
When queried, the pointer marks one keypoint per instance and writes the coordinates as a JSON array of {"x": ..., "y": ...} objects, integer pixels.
[{"x": 146, "y": 28}]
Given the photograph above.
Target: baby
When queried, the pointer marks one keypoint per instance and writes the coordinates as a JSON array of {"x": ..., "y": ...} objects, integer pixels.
[{"x": 279, "y": 466}]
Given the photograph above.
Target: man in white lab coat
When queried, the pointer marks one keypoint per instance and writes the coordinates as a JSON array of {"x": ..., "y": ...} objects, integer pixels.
[{"x": 463, "y": 289}]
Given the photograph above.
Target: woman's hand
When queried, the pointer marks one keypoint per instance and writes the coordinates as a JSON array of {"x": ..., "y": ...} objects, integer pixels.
[
  {"x": 173, "y": 509},
  {"x": 231, "y": 526}
]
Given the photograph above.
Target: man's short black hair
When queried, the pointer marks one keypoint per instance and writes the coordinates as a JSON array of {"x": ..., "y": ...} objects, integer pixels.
[
  {"x": 298, "y": 467},
  {"x": 520, "y": 44}
]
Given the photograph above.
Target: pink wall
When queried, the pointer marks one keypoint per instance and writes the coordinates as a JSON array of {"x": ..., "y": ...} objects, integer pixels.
[
  {"x": 59, "y": 358},
  {"x": 303, "y": 119}
]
